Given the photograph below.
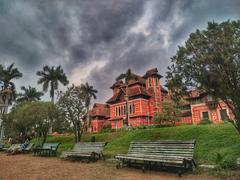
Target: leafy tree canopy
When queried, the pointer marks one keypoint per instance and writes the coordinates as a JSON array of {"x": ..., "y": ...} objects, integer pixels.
[
  {"x": 169, "y": 115},
  {"x": 210, "y": 60},
  {"x": 71, "y": 105},
  {"x": 30, "y": 116}
]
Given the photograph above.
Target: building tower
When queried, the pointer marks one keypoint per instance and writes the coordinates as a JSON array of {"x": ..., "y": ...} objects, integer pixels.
[{"x": 153, "y": 86}]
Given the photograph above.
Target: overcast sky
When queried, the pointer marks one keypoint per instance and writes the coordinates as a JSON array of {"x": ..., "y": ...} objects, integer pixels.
[{"x": 96, "y": 40}]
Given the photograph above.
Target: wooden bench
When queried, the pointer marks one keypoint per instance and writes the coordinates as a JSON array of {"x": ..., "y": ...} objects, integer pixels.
[
  {"x": 92, "y": 151},
  {"x": 48, "y": 149},
  {"x": 163, "y": 153},
  {"x": 12, "y": 148}
]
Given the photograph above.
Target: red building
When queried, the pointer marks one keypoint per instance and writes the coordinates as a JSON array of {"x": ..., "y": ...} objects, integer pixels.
[
  {"x": 99, "y": 114},
  {"x": 142, "y": 94},
  {"x": 202, "y": 106}
]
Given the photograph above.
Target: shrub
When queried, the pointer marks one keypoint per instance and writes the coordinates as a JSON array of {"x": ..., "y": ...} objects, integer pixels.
[
  {"x": 107, "y": 127},
  {"x": 142, "y": 126},
  {"x": 205, "y": 121}
]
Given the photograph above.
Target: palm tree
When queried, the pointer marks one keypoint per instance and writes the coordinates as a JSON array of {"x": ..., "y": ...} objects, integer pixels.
[
  {"x": 30, "y": 94},
  {"x": 8, "y": 91},
  {"x": 89, "y": 93},
  {"x": 51, "y": 76},
  {"x": 126, "y": 76}
]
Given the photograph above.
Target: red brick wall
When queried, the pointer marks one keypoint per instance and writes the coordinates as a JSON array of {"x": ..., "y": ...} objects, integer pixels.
[
  {"x": 214, "y": 114},
  {"x": 97, "y": 125}
]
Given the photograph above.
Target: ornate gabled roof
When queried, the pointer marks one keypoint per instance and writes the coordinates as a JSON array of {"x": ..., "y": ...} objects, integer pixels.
[
  {"x": 131, "y": 92},
  {"x": 117, "y": 84},
  {"x": 152, "y": 72},
  {"x": 100, "y": 110}
]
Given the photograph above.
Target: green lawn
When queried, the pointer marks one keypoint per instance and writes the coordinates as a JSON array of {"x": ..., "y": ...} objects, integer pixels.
[{"x": 215, "y": 143}]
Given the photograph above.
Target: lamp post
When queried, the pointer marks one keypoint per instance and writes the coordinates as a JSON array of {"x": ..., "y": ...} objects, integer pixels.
[{"x": 127, "y": 114}]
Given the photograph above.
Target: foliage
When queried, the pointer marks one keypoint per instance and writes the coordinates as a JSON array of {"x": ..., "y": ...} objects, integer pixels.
[
  {"x": 205, "y": 121},
  {"x": 51, "y": 76},
  {"x": 107, "y": 127},
  {"x": 30, "y": 94},
  {"x": 30, "y": 116},
  {"x": 210, "y": 60},
  {"x": 71, "y": 107},
  {"x": 88, "y": 93},
  {"x": 8, "y": 91},
  {"x": 169, "y": 115}
]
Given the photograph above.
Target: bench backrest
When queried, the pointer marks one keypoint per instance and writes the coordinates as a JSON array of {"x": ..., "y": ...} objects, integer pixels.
[
  {"x": 14, "y": 146},
  {"x": 29, "y": 147},
  {"x": 163, "y": 148},
  {"x": 89, "y": 147},
  {"x": 52, "y": 146}
]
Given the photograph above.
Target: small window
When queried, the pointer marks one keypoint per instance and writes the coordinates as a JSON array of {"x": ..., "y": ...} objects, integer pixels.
[
  {"x": 223, "y": 114},
  {"x": 124, "y": 108},
  {"x": 205, "y": 115},
  {"x": 116, "y": 110},
  {"x": 156, "y": 82},
  {"x": 133, "y": 108}
]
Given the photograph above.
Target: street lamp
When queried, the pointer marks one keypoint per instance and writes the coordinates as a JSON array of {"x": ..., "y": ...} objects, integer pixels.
[{"x": 127, "y": 115}]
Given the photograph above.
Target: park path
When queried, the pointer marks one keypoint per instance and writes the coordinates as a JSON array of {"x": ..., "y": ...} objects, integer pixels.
[{"x": 27, "y": 167}]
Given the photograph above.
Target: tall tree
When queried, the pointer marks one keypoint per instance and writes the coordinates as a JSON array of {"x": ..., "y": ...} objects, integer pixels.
[
  {"x": 8, "y": 91},
  {"x": 89, "y": 93},
  {"x": 30, "y": 94},
  {"x": 169, "y": 115},
  {"x": 71, "y": 107},
  {"x": 52, "y": 76},
  {"x": 210, "y": 60},
  {"x": 126, "y": 76}
]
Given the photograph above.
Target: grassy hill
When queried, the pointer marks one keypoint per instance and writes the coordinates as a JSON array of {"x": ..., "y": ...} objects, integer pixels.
[{"x": 216, "y": 144}]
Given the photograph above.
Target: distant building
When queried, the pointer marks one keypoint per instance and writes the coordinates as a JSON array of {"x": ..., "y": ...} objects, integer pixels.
[
  {"x": 203, "y": 106},
  {"x": 99, "y": 114},
  {"x": 144, "y": 96}
]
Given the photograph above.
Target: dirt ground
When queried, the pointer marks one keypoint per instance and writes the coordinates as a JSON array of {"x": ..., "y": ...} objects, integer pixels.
[{"x": 28, "y": 167}]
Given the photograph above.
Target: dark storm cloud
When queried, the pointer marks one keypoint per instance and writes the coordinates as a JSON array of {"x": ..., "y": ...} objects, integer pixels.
[{"x": 96, "y": 40}]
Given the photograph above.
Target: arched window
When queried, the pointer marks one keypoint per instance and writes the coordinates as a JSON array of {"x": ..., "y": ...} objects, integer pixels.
[
  {"x": 116, "y": 111},
  {"x": 133, "y": 108}
]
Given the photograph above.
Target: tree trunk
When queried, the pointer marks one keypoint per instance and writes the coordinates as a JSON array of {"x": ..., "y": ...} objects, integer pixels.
[
  {"x": 44, "y": 137},
  {"x": 4, "y": 111},
  {"x": 78, "y": 132},
  {"x": 88, "y": 119},
  {"x": 52, "y": 96},
  {"x": 75, "y": 133}
]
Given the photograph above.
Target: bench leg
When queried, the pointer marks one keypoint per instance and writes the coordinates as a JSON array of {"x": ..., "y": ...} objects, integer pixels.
[
  {"x": 119, "y": 164},
  {"x": 179, "y": 173},
  {"x": 102, "y": 156},
  {"x": 143, "y": 168}
]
